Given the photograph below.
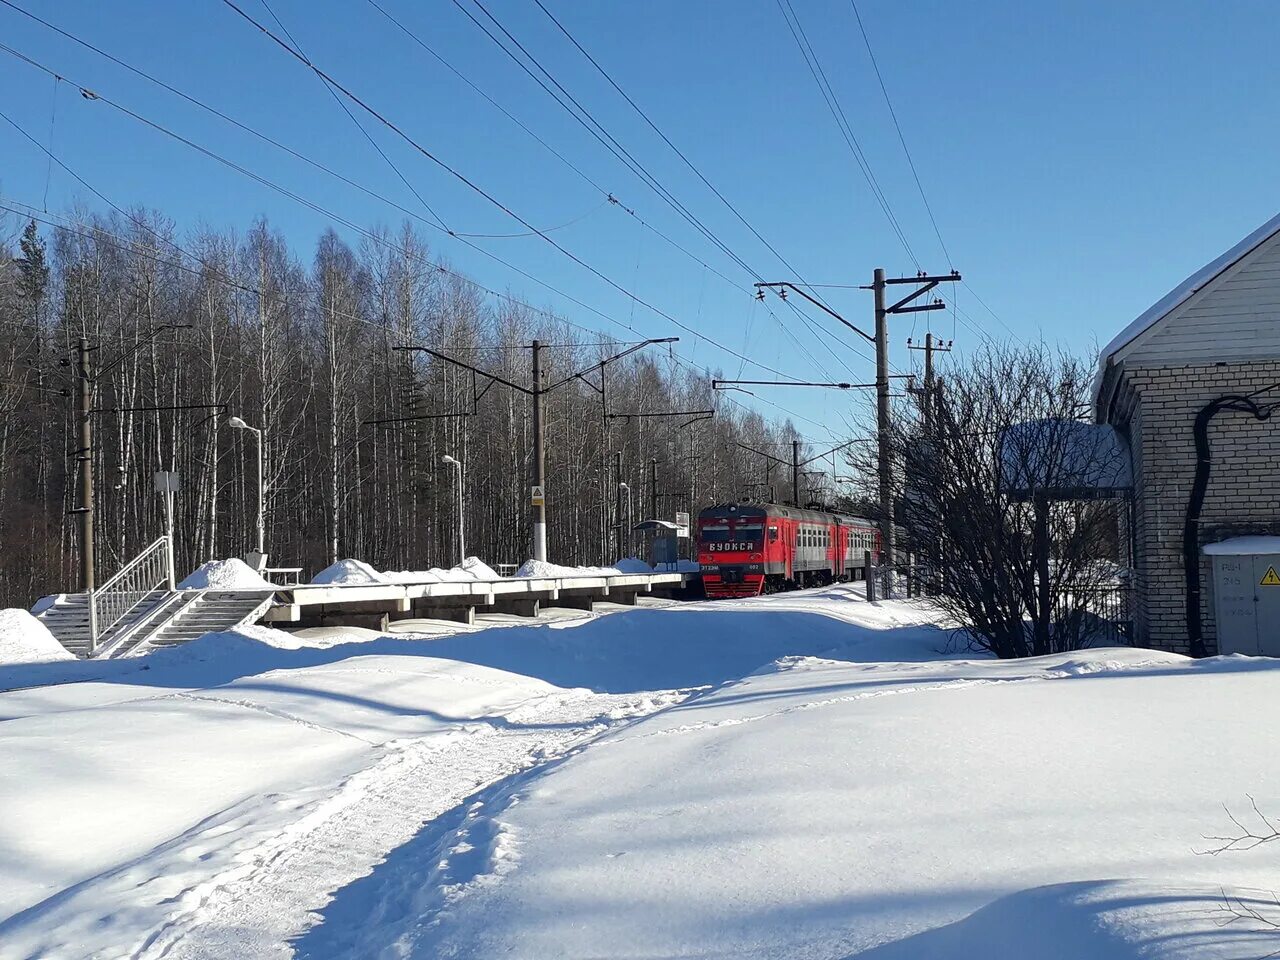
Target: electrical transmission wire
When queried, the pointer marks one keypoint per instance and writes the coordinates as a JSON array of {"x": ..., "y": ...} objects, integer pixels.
[
  {"x": 200, "y": 104},
  {"x": 356, "y": 123},
  {"x": 665, "y": 139},
  {"x": 332, "y": 215},
  {"x": 818, "y": 334},
  {"x": 842, "y": 122},
  {"x": 901, "y": 138},
  {"x": 912, "y": 164},
  {"x": 97, "y": 232},
  {"x": 584, "y": 118},
  {"x": 284, "y": 45}
]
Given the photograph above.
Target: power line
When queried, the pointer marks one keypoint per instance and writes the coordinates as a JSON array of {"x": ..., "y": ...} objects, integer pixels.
[
  {"x": 98, "y": 233},
  {"x": 463, "y": 178},
  {"x": 331, "y": 172},
  {"x": 194, "y": 101},
  {"x": 584, "y": 117},
  {"x": 901, "y": 139},
  {"x": 375, "y": 238},
  {"x": 665, "y": 139},
  {"x": 358, "y": 125},
  {"x": 842, "y": 121},
  {"x": 818, "y": 334}
]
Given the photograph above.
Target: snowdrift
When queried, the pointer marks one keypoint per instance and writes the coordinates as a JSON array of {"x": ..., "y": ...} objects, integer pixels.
[
  {"x": 24, "y": 639},
  {"x": 230, "y": 574},
  {"x": 349, "y": 572}
]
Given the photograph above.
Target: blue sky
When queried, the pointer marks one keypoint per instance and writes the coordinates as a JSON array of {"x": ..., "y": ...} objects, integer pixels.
[{"x": 1080, "y": 158}]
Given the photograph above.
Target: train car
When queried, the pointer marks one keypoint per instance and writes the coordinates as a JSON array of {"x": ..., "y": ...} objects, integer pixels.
[{"x": 746, "y": 549}]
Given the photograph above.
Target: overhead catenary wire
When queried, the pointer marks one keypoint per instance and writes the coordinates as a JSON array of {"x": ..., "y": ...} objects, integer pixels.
[
  {"x": 97, "y": 233},
  {"x": 665, "y": 139},
  {"x": 196, "y": 102},
  {"x": 362, "y": 188},
  {"x": 898, "y": 127},
  {"x": 817, "y": 332},
  {"x": 462, "y": 177},
  {"x": 584, "y": 117},
  {"x": 842, "y": 122},
  {"x": 373, "y": 237},
  {"x": 358, "y": 125}
]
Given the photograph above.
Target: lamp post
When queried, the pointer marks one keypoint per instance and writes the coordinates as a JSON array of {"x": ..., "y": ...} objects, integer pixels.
[
  {"x": 236, "y": 423},
  {"x": 462, "y": 550},
  {"x": 626, "y": 488}
]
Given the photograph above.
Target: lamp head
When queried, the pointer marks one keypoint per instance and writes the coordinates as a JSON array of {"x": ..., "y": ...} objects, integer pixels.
[
  {"x": 237, "y": 424},
  {"x": 447, "y": 459}
]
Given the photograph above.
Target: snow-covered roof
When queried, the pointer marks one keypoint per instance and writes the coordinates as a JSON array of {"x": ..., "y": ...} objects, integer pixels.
[
  {"x": 1179, "y": 294},
  {"x": 1243, "y": 546},
  {"x": 1066, "y": 459}
]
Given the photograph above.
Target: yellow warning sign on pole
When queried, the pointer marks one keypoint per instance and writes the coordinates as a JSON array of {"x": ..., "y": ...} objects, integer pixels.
[{"x": 1270, "y": 578}]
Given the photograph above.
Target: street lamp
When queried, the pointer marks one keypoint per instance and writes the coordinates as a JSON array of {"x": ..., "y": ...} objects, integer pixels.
[
  {"x": 462, "y": 550},
  {"x": 236, "y": 423},
  {"x": 626, "y": 488}
]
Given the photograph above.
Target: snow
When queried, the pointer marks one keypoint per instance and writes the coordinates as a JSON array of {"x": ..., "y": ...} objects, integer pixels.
[
  {"x": 349, "y": 572},
  {"x": 632, "y": 565},
  {"x": 24, "y": 639},
  {"x": 803, "y": 775},
  {"x": 230, "y": 574},
  {"x": 1239, "y": 546},
  {"x": 472, "y": 568},
  {"x": 1179, "y": 294},
  {"x": 541, "y": 568},
  {"x": 357, "y": 572}
]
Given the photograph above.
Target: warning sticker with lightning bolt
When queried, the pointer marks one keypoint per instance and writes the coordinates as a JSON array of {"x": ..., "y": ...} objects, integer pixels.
[{"x": 1270, "y": 578}]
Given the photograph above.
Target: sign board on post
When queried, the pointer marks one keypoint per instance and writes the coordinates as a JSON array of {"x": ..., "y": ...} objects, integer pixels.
[
  {"x": 682, "y": 524},
  {"x": 166, "y": 481},
  {"x": 538, "y": 497}
]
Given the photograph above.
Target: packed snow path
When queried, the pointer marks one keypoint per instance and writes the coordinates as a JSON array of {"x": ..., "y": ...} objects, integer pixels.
[{"x": 802, "y": 776}]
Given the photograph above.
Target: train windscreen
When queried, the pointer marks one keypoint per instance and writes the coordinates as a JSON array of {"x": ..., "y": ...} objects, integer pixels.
[{"x": 725, "y": 536}]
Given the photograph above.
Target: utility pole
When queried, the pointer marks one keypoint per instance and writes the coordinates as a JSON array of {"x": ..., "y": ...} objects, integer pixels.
[
  {"x": 924, "y": 283},
  {"x": 928, "y": 394},
  {"x": 617, "y": 511},
  {"x": 653, "y": 488},
  {"x": 85, "y": 457},
  {"x": 885, "y": 458},
  {"x": 538, "y": 496},
  {"x": 795, "y": 473}
]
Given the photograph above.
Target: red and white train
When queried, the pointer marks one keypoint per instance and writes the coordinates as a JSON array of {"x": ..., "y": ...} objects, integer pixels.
[{"x": 746, "y": 549}]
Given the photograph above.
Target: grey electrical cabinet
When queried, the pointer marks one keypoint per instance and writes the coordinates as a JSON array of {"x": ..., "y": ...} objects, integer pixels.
[{"x": 1246, "y": 592}]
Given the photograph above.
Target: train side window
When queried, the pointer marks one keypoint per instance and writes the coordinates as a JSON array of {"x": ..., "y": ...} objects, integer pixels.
[{"x": 773, "y": 534}]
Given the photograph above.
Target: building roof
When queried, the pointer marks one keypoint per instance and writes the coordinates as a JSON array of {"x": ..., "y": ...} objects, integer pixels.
[
  {"x": 1064, "y": 460},
  {"x": 1179, "y": 294},
  {"x": 1175, "y": 298}
]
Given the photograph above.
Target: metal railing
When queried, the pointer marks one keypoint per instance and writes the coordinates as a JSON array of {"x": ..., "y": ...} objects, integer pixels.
[
  {"x": 127, "y": 590},
  {"x": 1100, "y": 615}
]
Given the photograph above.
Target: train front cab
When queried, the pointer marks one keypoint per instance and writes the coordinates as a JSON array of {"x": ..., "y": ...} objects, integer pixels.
[{"x": 731, "y": 551}]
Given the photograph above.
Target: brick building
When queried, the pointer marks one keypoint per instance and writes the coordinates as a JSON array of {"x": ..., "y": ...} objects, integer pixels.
[{"x": 1214, "y": 336}]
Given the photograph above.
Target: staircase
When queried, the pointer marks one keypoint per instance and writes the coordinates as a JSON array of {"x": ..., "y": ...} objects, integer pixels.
[
  {"x": 163, "y": 618},
  {"x": 206, "y": 611},
  {"x": 68, "y": 620}
]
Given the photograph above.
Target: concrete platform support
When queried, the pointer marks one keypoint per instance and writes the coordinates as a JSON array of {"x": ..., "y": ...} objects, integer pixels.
[
  {"x": 370, "y": 621},
  {"x": 581, "y": 602},
  {"x": 461, "y": 614},
  {"x": 625, "y": 597},
  {"x": 520, "y": 606}
]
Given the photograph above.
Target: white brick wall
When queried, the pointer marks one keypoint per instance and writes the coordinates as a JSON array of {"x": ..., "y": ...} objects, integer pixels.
[{"x": 1244, "y": 483}]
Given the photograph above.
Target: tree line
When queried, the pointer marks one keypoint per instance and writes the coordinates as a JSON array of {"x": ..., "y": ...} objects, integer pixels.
[{"x": 189, "y": 330}]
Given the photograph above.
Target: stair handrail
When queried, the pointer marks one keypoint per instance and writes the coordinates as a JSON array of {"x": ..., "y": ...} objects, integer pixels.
[{"x": 122, "y": 593}]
